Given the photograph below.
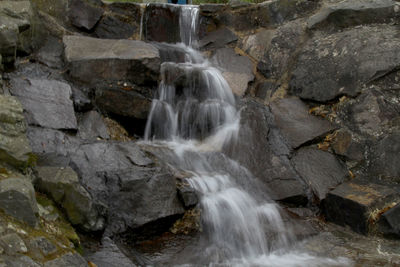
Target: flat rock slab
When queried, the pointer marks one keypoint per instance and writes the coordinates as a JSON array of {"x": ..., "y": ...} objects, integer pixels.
[
  {"x": 355, "y": 12},
  {"x": 47, "y": 102},
  {"x": 295, "y": 122},
  {"x": 319, "y": 169},
  {"x": 363, "y": 54},
  {"x": 14, "y": 145},
  {"x": 92, "y": 60},
  {"x": 354, "y": 204}
]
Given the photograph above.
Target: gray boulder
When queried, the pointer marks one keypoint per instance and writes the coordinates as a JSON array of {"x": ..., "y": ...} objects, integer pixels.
[
  {"x": 13, "y": 244},
  {"x": 14, "y": 145},
  {"x": 217, "y": 39},
  {"x": 256, "y": 45},
  {"x": 91, "y": 126},
  {"x": 389, "y": 223},
  {"x": 17, "y": 198},
  {"x": 363, "y": 54},
  {"x": 67, "y": 260},
  {"x": 114, "y": 27},
  {"x": 321, "y": 170},
  {"x": 296, "y": 124},
  {"x": 109, "y": 255},
  {"x": 62, "y": 184},
  {"x": 47, "y": 102},
  {"x": 83, "y": 15}
]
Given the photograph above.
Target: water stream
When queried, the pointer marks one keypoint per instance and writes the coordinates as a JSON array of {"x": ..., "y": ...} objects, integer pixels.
[{"x": 194, "y": 115}]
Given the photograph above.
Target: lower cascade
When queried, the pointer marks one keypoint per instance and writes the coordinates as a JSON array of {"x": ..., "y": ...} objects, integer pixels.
[{"x": 194, "y": 116}]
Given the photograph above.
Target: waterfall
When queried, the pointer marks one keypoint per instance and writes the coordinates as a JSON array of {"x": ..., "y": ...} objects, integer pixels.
[{"x": 194, "y": 115}]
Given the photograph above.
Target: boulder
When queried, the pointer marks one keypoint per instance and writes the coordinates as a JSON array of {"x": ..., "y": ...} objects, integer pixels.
[
  {"x": 344, "y": 144},
  {"x": 14, "y": 146},
  {"x": 363, "y": 54},
  {"x": 17, "y": 198},
  {"x": 93, "y": 61},
  {"x": 217, "y": 39},
  {"x": 47, "y": 102},
  {"x": 50, "y": 54},
  {"x": 296, "y": 124},
  {"x": 357, "y": 205},
  {"x": 91, "y": 126},
  {"x": 256, "y": 45},
  {"x": 356, "y": 12},
  {"x": 319, "y": 169},
  {"x": 8, "y": 40},
  {"x": 45, "y": 246},
  {"x": 389, "y": 222},
  {"x": 237, "y": 70},
  {"x": 83, "y": 15},
  {"x": 67, "y": 260},
  {"x": 259, "y": 141},
  {"x": 62, "y": 184},
  {"x": 109, "y": 255},
  {"x": 113, "y": 27},
  {"x": 13, "y": 244}
]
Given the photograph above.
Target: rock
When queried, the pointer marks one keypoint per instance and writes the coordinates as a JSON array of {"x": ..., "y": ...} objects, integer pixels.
[
  {"x": 389, "y": 222},
  {"x": 260, "y": 142},
  {"x": 50, "y": 54},
  {"x": 91, "y": 126},
  {"x": 8, "y": 40},
  {"x": 67, "y": 260},
  {"x": 236, "y": 69},
  {"x": 356, "y": 205},
  {"x": 13, "y": 244},
  {"x": 344, "y": 144},
  {"x": 83, "y": 15},
  {"x": 47, "y": 102},
  {"x": 351, "y": 13},
  {"x": 363, "y": 53},
  {"x": 217, "y": 39},
  {"x": 64, "y": 187},
  {"x": 17, "y": 198},
  {"x": 44, "y": 245},
  {"x": 81, "y": 99},
  {"x": 320, "y": 169},
  {"x": 265, "y": 90},
  {"x": 161, "y": 23},
  {"x": 296, "y": 124},
  {"x": 23, "y": 261},
  {"x": 14, "y": 146},
  {"x": 112, "y": 27},
  {"x": 187, "y": 195},
  {"x": 256, "y": 45},
  {"x": 93, "y": 60},
  {"x": 109, "y": 255}
]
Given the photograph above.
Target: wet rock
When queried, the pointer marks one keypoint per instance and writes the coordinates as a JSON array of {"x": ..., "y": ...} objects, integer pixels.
[
  {"x": 62, "y": 184},
  {"x": 93, "y": 60},
  {"x": 351, "y": 13},
  {"x": 91, "y": 126},
  {"x": 296, "y": 124},
  {"x": 44, "y": 245},
  {"x": 14, "y": 146},
  {"x": 187, "y": 195},
  {"x": 13, "y": 244},
  {"x": 363, "y": 53},
  {"x": 275, "y": 172},
  {"x": 389, "y": 222},
  {"x": 237, "y": 70},
  {"x": 83, "y": 15},
  {"x": 67, "y": 260},
  {"x": 344, "y": 144},
  {"x": 161, "y": 23},
  {"x": 112, "y": 27},
  {"x": 321, "y": 170},
  {"x": 47, "y": 102},
  {"x": 109, "y": 255},
  {"x": 256, "y": 45},
  {"x": 356, "y": 205},
  {"x": 217, "y": 39},
  {"x": 17, "y": 198}
]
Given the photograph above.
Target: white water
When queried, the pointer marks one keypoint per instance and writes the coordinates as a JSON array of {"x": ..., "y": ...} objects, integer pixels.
[{"x": 194, "y": 114}]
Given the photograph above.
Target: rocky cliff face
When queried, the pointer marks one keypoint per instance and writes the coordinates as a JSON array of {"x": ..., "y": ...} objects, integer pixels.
[{"x": 318, "y": 83}]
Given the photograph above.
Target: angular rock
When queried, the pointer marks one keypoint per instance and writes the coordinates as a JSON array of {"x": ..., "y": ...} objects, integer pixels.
[
  {"x": 83, "y": 15},
  {"x": 109, "y": 255},
  {"x": 8, "y": 40},
  {"x": 47, "y": 102},
  {"x": 23, "y": 261},
  {"x": 353, "y": 204},
  {"x": 51, "y": 52},
  {"x": 67, "y": 260},
  {"x": 92, "y": 60},
  {"x": 356, "y": 12},
  {"x": 258, "y": 142},
  {"x": 389, "y": 223},
  {"x": 14, "y": 146},
  {"x": 113, "y": 27},
  {"x": 217, "y": 39},
  {"x": 319, "y": 169},
  {"x": 296, "y": 124},
  {"x": 237, "y": 70},
  {"x": 91, "y": 126},
  {"x": 257, "y": 45},
  {"x": 13, "y": 244},
  {"x": 81, "y": 99},
  {"x": 17, "y": 198},
  {"x": 44, "y": 245},
  {"x": 363, "y": 54},
  {"x": 187, "y": 195},
  {"x": 345, "y": 145},
  {"x": 64, "y": 187}
]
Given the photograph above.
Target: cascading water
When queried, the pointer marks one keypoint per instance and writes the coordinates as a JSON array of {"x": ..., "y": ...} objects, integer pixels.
[{"x": 195, "y": 116}]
